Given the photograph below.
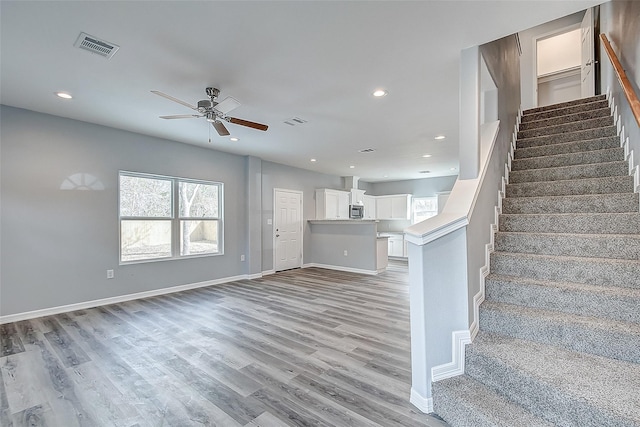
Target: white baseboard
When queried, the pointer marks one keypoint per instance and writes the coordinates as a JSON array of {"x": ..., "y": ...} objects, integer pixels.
[
  {"x": 340, "y": 268},
  {"x": 268, "y": 272},
  {"x": 459, "y": 339},
  {"x": 114, "y": 300},
  {"x": 424, "y": 404}
]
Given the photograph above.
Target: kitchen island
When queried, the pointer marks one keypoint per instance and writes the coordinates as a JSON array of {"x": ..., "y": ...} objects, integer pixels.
[{"x": 348, "y": 245}]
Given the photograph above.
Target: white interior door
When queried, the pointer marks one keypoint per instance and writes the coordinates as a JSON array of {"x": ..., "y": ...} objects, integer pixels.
[
  {"x": 586, "y": 67},
  {"x": 287, "y": 229}
]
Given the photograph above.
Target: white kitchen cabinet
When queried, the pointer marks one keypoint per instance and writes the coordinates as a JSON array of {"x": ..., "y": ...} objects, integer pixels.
[
  {"x": 393, "y": 207},
  {"x": 396, "y": 246},
  {"x": 369, "y": 207},
  {"x": 332, "y": 204},
  {"x": 357, "y": 197}
]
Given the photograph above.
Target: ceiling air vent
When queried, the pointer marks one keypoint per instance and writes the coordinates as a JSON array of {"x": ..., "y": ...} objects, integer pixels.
[
  {"x": 295, "y": 121},
  {"x": 95, "y": 45}
]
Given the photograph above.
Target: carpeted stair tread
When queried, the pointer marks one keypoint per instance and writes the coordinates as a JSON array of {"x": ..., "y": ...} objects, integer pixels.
[
  {"x": 594, "y": 123},
  {"x": 566, "y": 388},
  {"x": 568, "y": 118},
  {"x": 575, "y": 223},
  {"x": 593, "y": 203},
  {"x": 612, "y": 184},
  {"x": 466, "y": 402},
  {"x": 563, "y": 105},
  {"x": 613, "y": 303},
  {"x": 591, "y": 105},
  {"x": 568, "y": 147},
  {"x": 592, "y": 271},
  {"x": 581, "y": 158},
  {"x": 585, "y": 334},
  {"x": 559, "y": 327},
  {"x": 562, "y": 173},
  {"x": 616, "y": 246},
  {"x": 601, "y": 132}
]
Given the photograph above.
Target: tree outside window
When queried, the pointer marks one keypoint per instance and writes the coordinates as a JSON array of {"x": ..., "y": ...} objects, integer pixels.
[
  {"x": 150, "y": 229},
  {"x": 423, "y": 208}
]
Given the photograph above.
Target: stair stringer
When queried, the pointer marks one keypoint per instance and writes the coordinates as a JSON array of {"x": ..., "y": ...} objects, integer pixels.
[
  {"x": 460, "y": 339},
  {"x": 634, "y": 170}
]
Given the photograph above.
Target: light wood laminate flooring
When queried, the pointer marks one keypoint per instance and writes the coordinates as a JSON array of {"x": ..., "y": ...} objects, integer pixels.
[{"x": 305, "y": 347}]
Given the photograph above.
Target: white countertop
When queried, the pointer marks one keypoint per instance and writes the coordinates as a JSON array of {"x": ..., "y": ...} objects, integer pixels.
[{"x": 344, "y": 221}]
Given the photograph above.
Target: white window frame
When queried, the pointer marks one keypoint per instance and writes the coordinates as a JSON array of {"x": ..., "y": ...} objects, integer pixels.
[
  {"x": 414, "y": 200},
  {"x": 175, "y": 217}
]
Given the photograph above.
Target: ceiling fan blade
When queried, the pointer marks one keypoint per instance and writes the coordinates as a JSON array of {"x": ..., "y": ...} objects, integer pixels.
[
  {"x": 181, "y": 116},
  {"x": 171, "y": 98},
  {"x": 227, "y": 105},
  {"x": 247, "y": 123},
  {"x": 219, "y": 127}
]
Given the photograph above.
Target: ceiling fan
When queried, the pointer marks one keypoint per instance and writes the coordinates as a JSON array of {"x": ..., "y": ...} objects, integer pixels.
[{"x": 215, "y": 112}]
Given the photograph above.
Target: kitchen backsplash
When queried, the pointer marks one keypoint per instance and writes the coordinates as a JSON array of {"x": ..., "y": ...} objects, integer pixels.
[{"x": 393, "y": 225}]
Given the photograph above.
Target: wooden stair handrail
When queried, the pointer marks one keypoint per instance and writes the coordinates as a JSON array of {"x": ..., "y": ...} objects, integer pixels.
[{"x": 634, "y": 102}]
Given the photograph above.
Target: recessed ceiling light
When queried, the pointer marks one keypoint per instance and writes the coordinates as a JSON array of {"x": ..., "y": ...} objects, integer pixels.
[
  {"x": 352, "y": 167},
  {"x": 440, "y": 137},
  {"x": 385, "y": 176},
  {"x": 426, "y": 155},
  {"x": 380, "y": 93},
  {"x": 313, "y": 160},
  {"x": 234, "y": 139},
  {"x": 425, "y": 172},
  {"x": 64, "y": 95}
]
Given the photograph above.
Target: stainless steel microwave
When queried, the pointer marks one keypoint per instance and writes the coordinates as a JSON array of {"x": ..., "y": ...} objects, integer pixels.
[{"x": 356, "y": 211}]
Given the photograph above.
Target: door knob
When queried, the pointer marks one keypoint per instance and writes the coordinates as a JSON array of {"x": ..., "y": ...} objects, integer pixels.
[{"x": 277, "y": 235}]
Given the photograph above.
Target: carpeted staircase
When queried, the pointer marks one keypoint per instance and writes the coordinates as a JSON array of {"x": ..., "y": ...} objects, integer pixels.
[{"x": 559, "y": 339}]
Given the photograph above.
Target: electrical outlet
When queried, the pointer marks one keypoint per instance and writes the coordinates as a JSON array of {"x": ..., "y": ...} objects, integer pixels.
[
  {"x": 242, "y": 257},
  {"x": 346, "y": 253},
  {"x": 109, "y": 274}
]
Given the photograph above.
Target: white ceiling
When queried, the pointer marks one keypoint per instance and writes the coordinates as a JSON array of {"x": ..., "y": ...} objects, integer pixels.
[{"x": 317, "y": 60}]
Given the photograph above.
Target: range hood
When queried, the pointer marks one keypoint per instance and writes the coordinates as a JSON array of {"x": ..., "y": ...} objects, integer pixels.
[{"x": 351, "y": 185}]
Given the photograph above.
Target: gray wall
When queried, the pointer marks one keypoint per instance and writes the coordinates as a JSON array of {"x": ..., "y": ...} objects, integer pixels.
[
  {"x": 620, "y": 21},
  {"x": 57, "y": 244},
  {"x": 275, "y": 175},
  {"x": 503, "y": 62},
  {"x": 426, "y": 187},
  {"x": 329, "y": 241}
]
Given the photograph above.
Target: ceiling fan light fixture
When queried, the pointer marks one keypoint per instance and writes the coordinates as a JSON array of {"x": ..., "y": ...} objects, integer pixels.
[{"x": 379, "y": 93}]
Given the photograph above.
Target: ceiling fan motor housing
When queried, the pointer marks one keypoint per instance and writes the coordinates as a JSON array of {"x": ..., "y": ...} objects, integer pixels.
[{"x": 204, "y": 105}]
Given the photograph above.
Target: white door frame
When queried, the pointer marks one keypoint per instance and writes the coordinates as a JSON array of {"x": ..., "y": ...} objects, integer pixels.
[
  {"x": 273, "y": 234},
  {"x": 547, "y": 35},
  {"x": 589, "y": 89}
]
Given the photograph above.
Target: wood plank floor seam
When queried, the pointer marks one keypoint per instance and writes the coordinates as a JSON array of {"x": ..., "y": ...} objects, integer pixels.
[{"x": 304, "y": 347}]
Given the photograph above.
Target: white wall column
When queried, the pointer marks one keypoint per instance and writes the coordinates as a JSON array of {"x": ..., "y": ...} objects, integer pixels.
[
  {"x": 470, "y": 113},
  {"x": 438, "y": 305}
]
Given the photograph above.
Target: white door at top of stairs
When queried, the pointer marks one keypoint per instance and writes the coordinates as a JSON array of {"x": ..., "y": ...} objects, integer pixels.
[{"x": 587, "y": 86}]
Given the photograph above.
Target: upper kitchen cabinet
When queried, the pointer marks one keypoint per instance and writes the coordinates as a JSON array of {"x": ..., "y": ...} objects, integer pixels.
[
  {"x": 369, "y": 207},
  {"x": 397, "y": 206},
  {"x": 332, "y": 204}
]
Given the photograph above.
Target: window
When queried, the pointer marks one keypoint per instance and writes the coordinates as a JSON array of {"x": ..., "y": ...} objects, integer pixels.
[
  {"x": 423, "y": 208},
  {"x": 164, "y": 217}
]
